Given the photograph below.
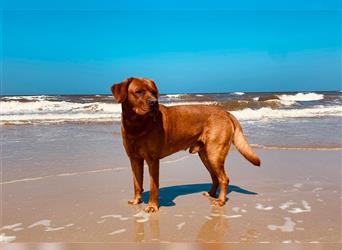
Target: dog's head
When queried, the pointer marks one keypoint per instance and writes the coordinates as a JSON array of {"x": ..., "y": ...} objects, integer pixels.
[{"x": 140, "y": 94}]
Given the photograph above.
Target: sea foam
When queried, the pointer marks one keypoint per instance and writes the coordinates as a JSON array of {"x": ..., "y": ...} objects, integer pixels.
[
  {"x": 57, "y": 109},
  {"x": 302, "y": 97},
  {"x": 238, "y": 93},
  {"x": 268, "y": 113}
]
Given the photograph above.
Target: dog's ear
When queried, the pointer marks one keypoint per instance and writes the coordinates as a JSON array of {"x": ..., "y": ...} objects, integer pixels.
[{"x": 119, "y": 90}]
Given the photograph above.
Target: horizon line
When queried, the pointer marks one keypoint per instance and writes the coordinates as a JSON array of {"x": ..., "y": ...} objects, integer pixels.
[{"x": 178, "y": 93}]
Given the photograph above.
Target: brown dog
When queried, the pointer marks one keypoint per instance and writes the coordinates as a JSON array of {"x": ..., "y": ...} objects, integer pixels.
[{"x": 152, "y": 131}]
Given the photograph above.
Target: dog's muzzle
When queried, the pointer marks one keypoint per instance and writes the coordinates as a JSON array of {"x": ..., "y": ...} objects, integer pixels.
[{"x": 153, "y": 104}]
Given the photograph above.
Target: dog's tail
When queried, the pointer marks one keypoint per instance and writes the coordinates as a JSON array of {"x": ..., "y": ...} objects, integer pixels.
[{"x": 242, "y": 144}]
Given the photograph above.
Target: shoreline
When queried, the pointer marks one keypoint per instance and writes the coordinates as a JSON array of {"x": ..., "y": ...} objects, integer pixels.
[
  {"x": 290, "y": 199},
  {"x": 113, "y": 128},
  {"x": 163, "y": 161}
]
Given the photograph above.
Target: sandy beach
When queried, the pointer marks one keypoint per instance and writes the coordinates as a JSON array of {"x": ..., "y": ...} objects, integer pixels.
[
  {"x": 76, "y": 190},
  {"x": 71, "y": 71}
]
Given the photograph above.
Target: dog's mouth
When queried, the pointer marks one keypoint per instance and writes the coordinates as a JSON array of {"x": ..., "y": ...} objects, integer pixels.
[
  {"x": 146, "y": 110},
  {"x": 155, "y": 108}
]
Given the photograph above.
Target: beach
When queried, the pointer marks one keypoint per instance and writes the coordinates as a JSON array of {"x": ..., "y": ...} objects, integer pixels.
[
  {"x": 70, "y": 183},
  {"x": 73, "y": 72}
]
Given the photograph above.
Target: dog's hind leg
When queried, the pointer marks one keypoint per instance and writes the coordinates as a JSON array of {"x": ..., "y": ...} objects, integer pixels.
[
  {"x": 216, "y": 160},
  {"x": 212, "y": 192},
  {"x": 215, "y": 150},
  {"x": 223, "y": 182}
]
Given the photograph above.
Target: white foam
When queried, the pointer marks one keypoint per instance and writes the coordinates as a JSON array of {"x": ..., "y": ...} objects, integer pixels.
[
  {"x": 67, "y": 174},
  {"x": 238, "y": 93},
  {"x": 112, "y": 216},
  {"x": 10, "y": 227},
  {"x": 261, "y": 207},
  {"x": 286, "y": 102},
  {"x": 176, "y": 160},
  {"x": 116, "y": 216},
  {"x": 118, "y": 231},
  {"x": 44, "y": 111},
  {"x": 57, "y": 111},
  {"x": 236, "y": 209},
  {"x": 268, "y": 113},
  {"x": 24, "y": 180},
  {"x": 306, "y": 208},
  {"x": 232, "y": 216},
  {"x": 142, "y": 220},
  {"x": 44, "y": 107},
  {"x": 175, "y": 96},
  {"x": 180, "y": 225},
  {"x": 6, "y": 239},
  {"x": 39, "y": 109},
  {"x": 287, "y": 227},
  {"x": 302, "y": 97},
  {"x": 298, "y": 185},
  {"x": 286, "y": 205},
  {"x": 290, "y": 241},
  {"x": 62, "y": 175},
  {"x": 317, "y": 189},
  {"x": 51, "y": 229},
  {"x": 143, "y": 216},
  {"x": 189, "y": 103},
  {"x": 45, "y": 223}
]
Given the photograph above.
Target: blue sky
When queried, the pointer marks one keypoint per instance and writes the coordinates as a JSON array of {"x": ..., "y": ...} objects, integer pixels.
[{"x": 69, "y": 51}]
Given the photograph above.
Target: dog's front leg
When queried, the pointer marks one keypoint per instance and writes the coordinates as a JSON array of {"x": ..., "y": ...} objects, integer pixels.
[
  {"x": 153, "y": 167},
  {"x": 137, "y": 165}
]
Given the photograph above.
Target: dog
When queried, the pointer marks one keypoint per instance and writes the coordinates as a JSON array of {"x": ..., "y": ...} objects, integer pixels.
[{"x": 151, "y": 131}]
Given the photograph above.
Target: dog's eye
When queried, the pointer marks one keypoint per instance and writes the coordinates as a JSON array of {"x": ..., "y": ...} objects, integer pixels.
[{"x": 139, "y": 92}]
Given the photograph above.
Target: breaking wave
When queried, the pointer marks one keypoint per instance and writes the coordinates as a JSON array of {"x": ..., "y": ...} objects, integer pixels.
[
  {"x": 238, "y": 93},
  {"x": 102, "y": 108},
  {"x": 269, "y": 113},
  {"x": 302, "y": 97}
]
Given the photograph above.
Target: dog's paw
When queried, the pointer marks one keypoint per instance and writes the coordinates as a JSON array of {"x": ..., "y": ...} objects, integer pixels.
[
  {"x": 218, "y": 203},
  {"x": 151, "y": 208},
  {"x": 208, "y": 194},
  {"x": 135, "y": 201}
]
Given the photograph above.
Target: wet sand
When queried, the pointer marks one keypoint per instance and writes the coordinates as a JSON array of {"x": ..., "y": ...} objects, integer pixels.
[{"x": 292, "y": 201}]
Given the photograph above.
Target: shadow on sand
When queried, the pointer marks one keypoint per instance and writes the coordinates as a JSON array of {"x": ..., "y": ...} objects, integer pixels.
[{"x": 167, "y": 195}]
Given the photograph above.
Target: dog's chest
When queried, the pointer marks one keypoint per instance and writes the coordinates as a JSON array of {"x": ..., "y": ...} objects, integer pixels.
[{"x": 148, "y": 146}]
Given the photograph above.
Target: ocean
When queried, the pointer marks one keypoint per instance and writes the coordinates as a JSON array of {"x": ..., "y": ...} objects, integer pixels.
[{"x": 284, "y": 119}]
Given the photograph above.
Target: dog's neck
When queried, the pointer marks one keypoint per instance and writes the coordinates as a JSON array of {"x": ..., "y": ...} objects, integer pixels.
[{"x": 136, "y": 125}]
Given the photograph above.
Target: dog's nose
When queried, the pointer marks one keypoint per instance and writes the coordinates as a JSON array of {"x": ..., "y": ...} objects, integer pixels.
[{"x": 153, "y": 103}]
